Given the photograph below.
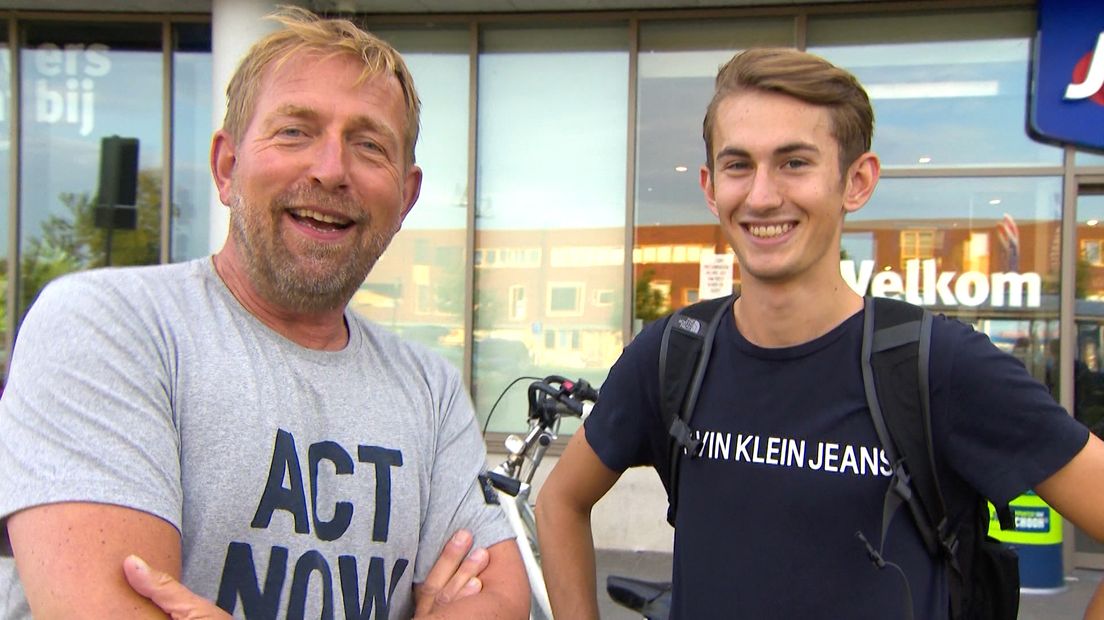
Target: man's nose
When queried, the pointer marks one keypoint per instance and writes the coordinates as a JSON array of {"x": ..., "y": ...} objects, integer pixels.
[
  {"x": 764, "y": 192},
  {"x": 329, "y": 166}
]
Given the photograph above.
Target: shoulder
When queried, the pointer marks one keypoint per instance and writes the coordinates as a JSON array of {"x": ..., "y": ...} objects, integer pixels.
[
  {"x": 121, "y": 283},
  {"x": 102, "y": 296},
  {"x": 957, "y": 345}
]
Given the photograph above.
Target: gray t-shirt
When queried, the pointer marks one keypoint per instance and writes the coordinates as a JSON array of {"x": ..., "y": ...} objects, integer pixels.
[{"x": 304, "y": 483}]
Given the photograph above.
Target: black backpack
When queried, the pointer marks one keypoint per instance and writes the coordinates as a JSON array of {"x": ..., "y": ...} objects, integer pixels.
[{"x": 983, "y": 573}]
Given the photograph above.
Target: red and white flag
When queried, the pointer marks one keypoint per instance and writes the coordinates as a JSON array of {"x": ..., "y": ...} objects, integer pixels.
[{"x": 1009, "y": 235}]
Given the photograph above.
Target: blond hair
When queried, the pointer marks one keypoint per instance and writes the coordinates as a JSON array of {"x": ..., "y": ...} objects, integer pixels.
[
  {"x": 804, "y": 77},
  {"x": 304, "y": 31}
]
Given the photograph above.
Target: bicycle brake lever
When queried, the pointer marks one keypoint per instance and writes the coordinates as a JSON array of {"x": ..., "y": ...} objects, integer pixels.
[{"x": 503, "y": 483}]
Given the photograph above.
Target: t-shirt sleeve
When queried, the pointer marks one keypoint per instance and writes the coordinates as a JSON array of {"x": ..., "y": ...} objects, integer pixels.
[
  {"x": 625, "y": 428},
  {"x": 456, "y": 498},
  {"x": 1003, "y": 431},
  {"x": 86, "y": 412}
]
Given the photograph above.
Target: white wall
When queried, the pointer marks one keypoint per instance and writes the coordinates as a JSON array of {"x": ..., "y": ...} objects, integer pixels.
[{"x": 631, "y": 517}]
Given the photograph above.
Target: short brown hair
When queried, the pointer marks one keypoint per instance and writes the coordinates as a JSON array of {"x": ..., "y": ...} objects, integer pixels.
[
  {"x": 804, "y": 77},
  {"x": 305, "y": 31}
]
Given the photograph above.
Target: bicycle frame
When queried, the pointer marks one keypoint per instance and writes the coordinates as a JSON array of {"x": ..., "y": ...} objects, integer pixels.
[
  {"x": 520, "y": 514},
  {"x": 512, "y": 479},
  {"x": 523, "y": 458}
]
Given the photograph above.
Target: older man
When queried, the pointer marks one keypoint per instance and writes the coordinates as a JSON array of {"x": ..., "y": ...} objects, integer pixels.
[{"x": 228, "y": 419}]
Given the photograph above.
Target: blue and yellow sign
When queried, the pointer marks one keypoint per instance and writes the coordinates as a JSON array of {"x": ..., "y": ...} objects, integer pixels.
[{"x": 1037, "y": 538}]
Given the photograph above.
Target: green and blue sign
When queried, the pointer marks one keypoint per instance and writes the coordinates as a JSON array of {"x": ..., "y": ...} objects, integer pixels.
[{"x": 1067, "y": 90}]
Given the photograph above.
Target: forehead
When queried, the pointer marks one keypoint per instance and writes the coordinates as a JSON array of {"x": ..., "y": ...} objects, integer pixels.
[
  {"x": 758, "y": 118},
  {"x": 325, "y": 82}
]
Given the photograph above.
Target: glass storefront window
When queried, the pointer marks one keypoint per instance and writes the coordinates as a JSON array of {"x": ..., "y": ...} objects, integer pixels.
[
  {"x": 674, "y": 230},
  {"x": 550, "y": 210},
  {"x": 417, "y": 287},
  {"x": 949, "y": 89},
  {"x": 1088, "y": 363},
  {"x": 6, "y": 258},
  {"x": 1089, "y": 357},
  {"x": 192, "y": 101},
  {"x": 83, "y": 83}
]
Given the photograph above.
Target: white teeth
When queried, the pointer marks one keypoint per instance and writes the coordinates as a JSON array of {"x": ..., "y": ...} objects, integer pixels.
[
  {"x": 321, "y": 217},
  {"x": 772, "y": 230}
]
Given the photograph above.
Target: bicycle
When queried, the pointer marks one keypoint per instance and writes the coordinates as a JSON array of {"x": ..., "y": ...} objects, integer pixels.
[{"x": 550, "y": 399}]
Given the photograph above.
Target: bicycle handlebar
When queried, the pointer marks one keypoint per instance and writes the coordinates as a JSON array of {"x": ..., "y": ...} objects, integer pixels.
[{"x": 556, "y": 396}]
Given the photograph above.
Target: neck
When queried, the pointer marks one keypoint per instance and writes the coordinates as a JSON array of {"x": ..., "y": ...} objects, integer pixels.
[
  {"x": 786, "y": 314},
  {"x": 324, "y": 330}
]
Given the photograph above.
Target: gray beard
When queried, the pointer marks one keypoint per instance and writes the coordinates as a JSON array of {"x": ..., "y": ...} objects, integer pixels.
[{"x": 290, "y": 281}]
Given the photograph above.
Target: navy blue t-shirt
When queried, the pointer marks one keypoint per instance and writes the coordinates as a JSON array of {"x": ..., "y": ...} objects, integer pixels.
[{"x": 791, "y": 467}]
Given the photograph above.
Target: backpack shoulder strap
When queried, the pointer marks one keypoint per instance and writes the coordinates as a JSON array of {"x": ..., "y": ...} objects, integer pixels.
[
  {"x": 683, "y": 356},
  {"x": 895, "y": 350}
]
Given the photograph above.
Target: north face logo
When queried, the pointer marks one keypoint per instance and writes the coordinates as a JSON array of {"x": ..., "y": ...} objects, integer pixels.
[{"x": 688, "y": 324}]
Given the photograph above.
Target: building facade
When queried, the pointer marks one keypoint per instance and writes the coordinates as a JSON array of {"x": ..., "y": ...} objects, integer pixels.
[{"x": 561, "y": 207}]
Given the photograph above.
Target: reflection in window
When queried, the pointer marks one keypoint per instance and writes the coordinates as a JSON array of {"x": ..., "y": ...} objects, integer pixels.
[
  {"x": 417, "y": 287},
  {"x": 1083, "y": 158},
  {"x": 916, "y": 244},
  {"x": 948, "y": 89},
  {"x": 551, "y": 204},
  {"x": 81, "y": 83},
  {"x": 677, "y": 66},
  {"x": 1090, "y": 252},
  {"x": 565, "y": 299},
  {"x": 857, "y": 246},
  {"x": 517, "y": 303},
  {"x": 192, "y": 98}
]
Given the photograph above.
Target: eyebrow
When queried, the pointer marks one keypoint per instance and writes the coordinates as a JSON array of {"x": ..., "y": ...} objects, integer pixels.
[
  {"x": 785, "y": 149},
  {"x": 296, "y": 111},
  {"x": 357, "y": 123}
]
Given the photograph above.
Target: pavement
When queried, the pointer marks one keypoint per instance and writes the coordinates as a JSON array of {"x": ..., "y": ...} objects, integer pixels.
[{"x": 1066, "y": 604}]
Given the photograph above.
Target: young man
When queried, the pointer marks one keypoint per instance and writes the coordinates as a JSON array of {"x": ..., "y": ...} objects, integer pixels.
[
  {"x": 229, "y": 420},
  {"x": 787, "y": 141}
]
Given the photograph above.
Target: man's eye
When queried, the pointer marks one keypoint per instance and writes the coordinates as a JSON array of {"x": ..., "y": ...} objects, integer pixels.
[
  {"x": 796, "y": 163},
  {"x": 291, "y": 132}
]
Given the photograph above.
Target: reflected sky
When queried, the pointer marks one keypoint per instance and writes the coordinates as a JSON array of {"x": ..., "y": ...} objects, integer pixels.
[
  {"x": 977, "y": 198},
  {"x": 552, "y": 139}
]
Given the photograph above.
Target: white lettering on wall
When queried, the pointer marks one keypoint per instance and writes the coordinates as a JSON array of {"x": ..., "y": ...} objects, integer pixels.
[
  {"x": 924, "y": 285},
  {"x": 64, "y": 91}
]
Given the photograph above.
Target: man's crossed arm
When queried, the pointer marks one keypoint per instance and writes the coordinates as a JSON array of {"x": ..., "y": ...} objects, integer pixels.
[{"x": 69, "y": 555}]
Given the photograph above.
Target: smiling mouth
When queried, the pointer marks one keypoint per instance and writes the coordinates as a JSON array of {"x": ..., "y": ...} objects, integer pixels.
[
  {"x": 320, "y": 221},
  {"x": 769, "y": 231}
]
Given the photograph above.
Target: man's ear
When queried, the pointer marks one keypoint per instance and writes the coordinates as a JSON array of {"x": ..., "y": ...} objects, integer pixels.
[
  {"x": 412, "y": 188},
  {"x": 862, "y": 177},
  {"x": 223, "y": 159},
  {"x": 705, "y": 179}
]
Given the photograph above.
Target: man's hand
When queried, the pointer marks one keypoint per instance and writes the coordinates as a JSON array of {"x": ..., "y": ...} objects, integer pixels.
[
  {"x": 170, "y": 595},
  {"x": 455, "y": 575}
]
